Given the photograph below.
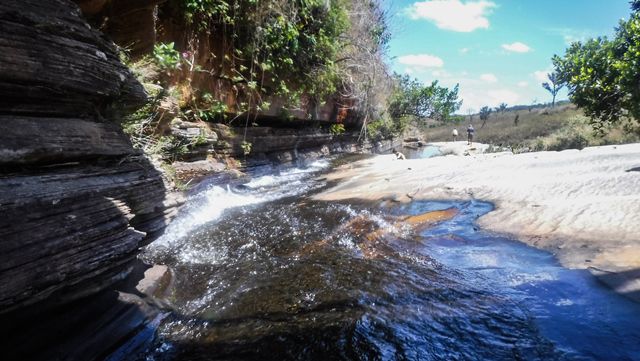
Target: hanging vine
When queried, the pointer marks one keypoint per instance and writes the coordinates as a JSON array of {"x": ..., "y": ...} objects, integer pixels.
[
  {"x": 296, "y": 53},
  {"x": 277, "y": 47}
]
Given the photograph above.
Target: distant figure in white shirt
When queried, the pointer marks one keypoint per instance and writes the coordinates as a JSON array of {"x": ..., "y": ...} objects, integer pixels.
[{"x": 454, "y": 134}]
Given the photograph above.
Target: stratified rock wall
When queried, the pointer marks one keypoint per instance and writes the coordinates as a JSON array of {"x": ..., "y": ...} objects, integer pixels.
[{"x": 76, "y": 200}]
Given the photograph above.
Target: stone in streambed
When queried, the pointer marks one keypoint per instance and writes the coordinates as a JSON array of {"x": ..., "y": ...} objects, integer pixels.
[{"x": 155, "y": 279}]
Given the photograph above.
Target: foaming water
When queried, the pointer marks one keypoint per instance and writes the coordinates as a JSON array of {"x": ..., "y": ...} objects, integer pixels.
[
  {"x": 211, "y": 202},
  {"x": 290, "y": 177},
  {"x": 269, "y": 274}
]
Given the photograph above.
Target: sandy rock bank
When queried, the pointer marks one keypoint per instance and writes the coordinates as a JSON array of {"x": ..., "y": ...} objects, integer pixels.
[{"x": 584, "y": 206}]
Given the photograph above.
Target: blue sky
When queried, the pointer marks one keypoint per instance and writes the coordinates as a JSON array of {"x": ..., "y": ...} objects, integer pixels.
[{"x": 497, "y": 50}]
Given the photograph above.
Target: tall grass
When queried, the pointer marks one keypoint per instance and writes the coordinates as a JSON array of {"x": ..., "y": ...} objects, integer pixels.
[{"x": 563, "y": 127}]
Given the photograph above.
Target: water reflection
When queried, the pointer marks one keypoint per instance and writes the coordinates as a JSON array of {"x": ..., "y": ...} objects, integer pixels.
[{"x": 416, "y": 152}]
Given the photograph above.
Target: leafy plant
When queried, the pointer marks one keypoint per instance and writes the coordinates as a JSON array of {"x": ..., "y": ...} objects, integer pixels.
[
  {"x": 385, "y": 128},
  {"x": 337, "y": 129},
  {"x": 165, "y": 56},
  {"x": 485, "y": 112},
  {"x": 414, "y": 99},
  {"x": 553, "y": 86},
  {"x": 170, "y": 147},
  {"x": 602, "y": 75},
  {"x": 270, "y": 40},
  {"x": 246, "y": 147}
]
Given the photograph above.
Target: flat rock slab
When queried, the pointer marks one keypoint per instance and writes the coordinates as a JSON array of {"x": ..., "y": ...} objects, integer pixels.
[{"x": 583, "y": 206}]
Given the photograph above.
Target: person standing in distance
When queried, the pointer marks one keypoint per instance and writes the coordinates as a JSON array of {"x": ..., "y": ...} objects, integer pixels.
[
  {"x": 470, "y": 132},
  {"x": 454, "y": 134}
]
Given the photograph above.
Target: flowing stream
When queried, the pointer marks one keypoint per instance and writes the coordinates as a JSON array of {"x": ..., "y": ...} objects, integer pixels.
[{"x": 262, "y": 272}]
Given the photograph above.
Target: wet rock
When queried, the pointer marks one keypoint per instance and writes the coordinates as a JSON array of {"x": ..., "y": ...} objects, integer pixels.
[
  {"x": 91, "y": 7},
  {"x": 625, "y": 282},
  {"x": 77, "y": 200},
  {"x": 155, "y": 279},
  {"x": 195, "y": 171},
  {"x": 114, "y": 324}
]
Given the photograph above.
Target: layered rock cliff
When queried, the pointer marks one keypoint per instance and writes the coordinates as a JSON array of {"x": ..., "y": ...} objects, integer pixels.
[
  {"x": 197, "y": 109},
  {"x": 77, "y": 199}
]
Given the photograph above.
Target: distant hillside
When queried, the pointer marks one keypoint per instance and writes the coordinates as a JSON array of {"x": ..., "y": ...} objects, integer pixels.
[{"x": 536, "y": 128}]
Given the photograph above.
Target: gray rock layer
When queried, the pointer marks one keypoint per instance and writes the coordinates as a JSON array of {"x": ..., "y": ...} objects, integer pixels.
[{"x": 77, "y": 201}]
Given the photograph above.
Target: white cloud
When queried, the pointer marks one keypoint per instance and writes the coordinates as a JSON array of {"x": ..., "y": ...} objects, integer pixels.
[
  {"x": 489, "y": 78},
  {"x": 541, "y": 75},
  {"x": 453, "y": 14},
  {"x": 517, "y": 47},
  {"x": 475, "y": 97},
  {"x": 421, "y": 61},
  {"x": 464, "y": 50},
  {"x": 503, "y": 96},
  {"x": 440, "y": 74},
  {"x": 523, "y": 84}
]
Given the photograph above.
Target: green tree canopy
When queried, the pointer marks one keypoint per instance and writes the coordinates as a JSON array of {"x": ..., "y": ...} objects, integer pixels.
[
  {"x": 412, "y": 98},
  {"x": 485, "y": 112},
  {"x": 553, "y": 86},
  {"x": 603, "y": 76}
]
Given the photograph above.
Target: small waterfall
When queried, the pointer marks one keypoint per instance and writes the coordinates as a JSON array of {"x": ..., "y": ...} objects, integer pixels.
[{"x": 209, "y": 204}]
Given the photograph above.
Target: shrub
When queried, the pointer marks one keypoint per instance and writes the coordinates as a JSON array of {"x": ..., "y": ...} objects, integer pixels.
[
  {"x": 166, "y": 57},
  {"x": 385, "y": 128},
  {"x": 337, "y": 129}
]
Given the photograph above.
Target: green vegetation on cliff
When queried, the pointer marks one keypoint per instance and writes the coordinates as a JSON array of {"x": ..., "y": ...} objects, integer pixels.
[
  {"x": 269, "y": 41},
  {"x": 248, "y": 63}
]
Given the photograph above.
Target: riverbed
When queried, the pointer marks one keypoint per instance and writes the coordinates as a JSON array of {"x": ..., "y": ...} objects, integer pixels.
[{"x": 262, "y": 271}]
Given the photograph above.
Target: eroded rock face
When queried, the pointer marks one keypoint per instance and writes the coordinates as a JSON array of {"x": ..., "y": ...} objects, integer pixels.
[{"x": 77, "y": 200}]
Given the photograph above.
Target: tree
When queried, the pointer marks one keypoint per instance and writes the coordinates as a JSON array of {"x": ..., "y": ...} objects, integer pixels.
[
  {"x": 445, "y": 102},
  {"x": 484, "y": 115},
  {"x": 602, "y": 75},
  {"x": 503, "y": 107},
  {"x": 414, "y": 99},
  {"x": 553, "y": 86},
  {"x": 516, "y": 120}
]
